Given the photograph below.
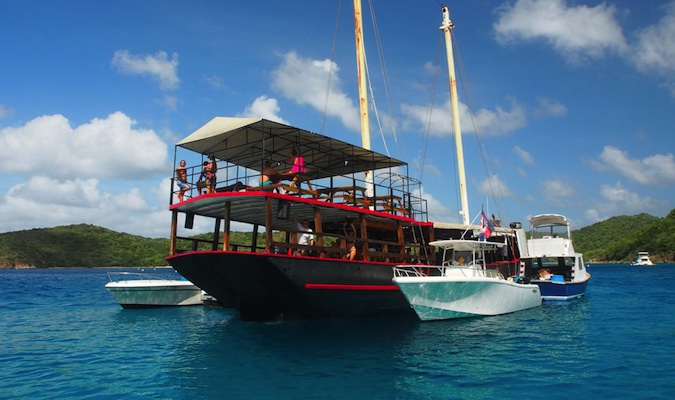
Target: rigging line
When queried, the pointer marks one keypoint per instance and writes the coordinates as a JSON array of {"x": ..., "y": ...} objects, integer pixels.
[
  {"x": 372, "y": 100},
  {"x": 486, "y": 157},
  {"x": 330, "y": 71},
  {"x": 387, "y": 82}
]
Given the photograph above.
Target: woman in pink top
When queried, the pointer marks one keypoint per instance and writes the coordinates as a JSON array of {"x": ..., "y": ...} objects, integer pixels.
[{"x": 298, "y": 162}]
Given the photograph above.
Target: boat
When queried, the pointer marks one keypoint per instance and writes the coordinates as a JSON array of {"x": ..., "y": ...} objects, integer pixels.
[
  {"x": 142, "y": 290},
  {"x": 467, "y": 282},
  {"x": 550, "y": 259},
  {"x": 642, "y": 259},
  {"x": 341, "y": 188},
  {"x": 464, "y": 285}
]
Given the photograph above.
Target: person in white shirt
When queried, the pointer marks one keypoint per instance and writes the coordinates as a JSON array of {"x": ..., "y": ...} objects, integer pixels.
[{"x": 306, "y": 238}]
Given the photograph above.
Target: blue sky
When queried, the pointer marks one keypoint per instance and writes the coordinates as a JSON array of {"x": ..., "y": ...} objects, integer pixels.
[{"x": 575, "y": 100}]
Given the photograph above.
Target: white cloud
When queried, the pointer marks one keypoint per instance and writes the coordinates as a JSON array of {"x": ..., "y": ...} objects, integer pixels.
[
  {"x": 656, "y": 170},
  {"x": 654, "y": 50},
  {"x": 495, "y": 187},
  {"x": 556, "y": 188},
  {"x": 437, "y": 211},
  {"x": 158, "y": 66},
  {"x": 305, "y": 81},
  {"x": 549, "y": 108},
  {"x": 558, "y": 193},
  {"x": 103, "y": 148},
  {"x": 523, "y": 155},
  {"x": 215, "y": 82},
  {"x": 43, "y": 202},
  {"x": 264, "y": 107},
  {"x": 170, "y": 102},
  {"x": 490, "y": 122},
  {"x": 618, "y": 200},
  {"x": 575, "y": 31}
]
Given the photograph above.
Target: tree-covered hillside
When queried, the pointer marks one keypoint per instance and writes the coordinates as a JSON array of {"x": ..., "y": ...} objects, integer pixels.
[
  {"x": 620, "y": 238},
  {"x": 80, "y": 246}
]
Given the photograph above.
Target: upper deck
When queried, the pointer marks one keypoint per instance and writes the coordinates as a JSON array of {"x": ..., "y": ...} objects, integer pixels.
[{"x": 334, "y": 169}]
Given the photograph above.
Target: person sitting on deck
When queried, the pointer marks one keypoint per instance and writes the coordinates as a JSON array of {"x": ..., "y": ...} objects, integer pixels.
[
  {"x": 181, "y": 180},
  {"x": 298, "y": 163},
  {"x": 269, "y": 175}
]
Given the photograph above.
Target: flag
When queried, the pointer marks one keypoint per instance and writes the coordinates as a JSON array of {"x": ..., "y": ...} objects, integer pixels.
[{"x": 486, "y": 227}]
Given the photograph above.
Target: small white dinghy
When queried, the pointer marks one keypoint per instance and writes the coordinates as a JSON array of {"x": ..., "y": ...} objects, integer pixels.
[{"x": 142, "y": 290}]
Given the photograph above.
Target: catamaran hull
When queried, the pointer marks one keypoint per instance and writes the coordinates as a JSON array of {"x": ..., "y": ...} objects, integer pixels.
[
  {"x": 551, "y": 290},
  {"x": 436, "y": 298},
  {"x": 265, "y": 287}
]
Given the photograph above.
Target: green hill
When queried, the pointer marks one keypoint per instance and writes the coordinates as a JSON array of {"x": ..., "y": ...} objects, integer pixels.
[
  {"x": 617, "y": 239},
  {"x": 80, "y": 246}
]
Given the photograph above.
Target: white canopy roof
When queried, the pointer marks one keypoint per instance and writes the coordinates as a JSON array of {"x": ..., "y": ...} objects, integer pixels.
[
  {"x": 249, "y": 142},
  {"x": 548, "y": 219},
  {"x": 466, "y": 245}
]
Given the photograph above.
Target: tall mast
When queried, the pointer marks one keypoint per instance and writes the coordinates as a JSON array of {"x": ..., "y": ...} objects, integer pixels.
[
  {"x": 363, "y": 93},
  {"x": 446, "y": 28}
]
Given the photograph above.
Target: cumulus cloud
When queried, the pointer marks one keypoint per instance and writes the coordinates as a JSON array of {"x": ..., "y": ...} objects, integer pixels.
[
  {"x": 305, "y": 81},
  {"x": 157, "y": 66},
  {"x": 654, "y": 51},
  {"x": 264, "y": 107},
  {"x": 525, "y": 156},
  {"x": 44, "y": 202},
  {"x": 437, "y": 210},
  {"x": 619, "y": 200},
  {"x": 492, "y": 122},
  {"x": 656, "y": 170},
  {"x": 557, "y": 188},
  {"x": 103, "y": 148},
  {"x": 495, "y": 187},
  {"x": 549, "y": 108},
  {"x": 558, "y": 193},
  {"x": 595, "y": 29}
]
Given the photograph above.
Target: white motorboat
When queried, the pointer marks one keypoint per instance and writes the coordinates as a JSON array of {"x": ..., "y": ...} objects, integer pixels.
[
  {"x": 142, "y": 290},
  {"x": 468, "y": 281},
  {"x": 551, "y": 261},
  {"x": 642, "y": 259},
  {"x": 464, "y": 286}
]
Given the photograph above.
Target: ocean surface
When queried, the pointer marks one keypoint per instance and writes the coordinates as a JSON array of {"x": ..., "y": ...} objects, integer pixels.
[{"x": 63, "y": 336}]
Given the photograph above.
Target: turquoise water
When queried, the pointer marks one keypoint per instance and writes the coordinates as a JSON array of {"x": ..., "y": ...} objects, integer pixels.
[{"x": 63, "y": 336}]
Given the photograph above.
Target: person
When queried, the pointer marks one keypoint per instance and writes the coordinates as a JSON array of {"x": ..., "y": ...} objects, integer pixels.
[
  {"x": 349, "y": 230},
  {"x": 269, "y": 175},
  {"x": 298, "y": 163},
  {"x": 201, "y": 183},
  {"x": 211, "y": 170},
  {"x": 545, "y": 273},
  {"x": 181, "y": 180},
  {"x": 306, "y": 237}
]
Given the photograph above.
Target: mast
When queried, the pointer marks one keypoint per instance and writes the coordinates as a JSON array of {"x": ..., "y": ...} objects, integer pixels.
[
  {"x": 363, "y": 93},
  {"x": 446, "y": 28}
]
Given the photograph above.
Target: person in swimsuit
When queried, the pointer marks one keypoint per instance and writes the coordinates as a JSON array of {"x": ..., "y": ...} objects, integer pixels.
[
  {"x": 211, "y": 170},
  {"x": 269, "y": 175},
  {"x": 181, "y": 180}
]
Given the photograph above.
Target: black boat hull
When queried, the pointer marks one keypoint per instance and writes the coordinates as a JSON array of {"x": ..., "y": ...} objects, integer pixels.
[{"x": 264, "y": 287}]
